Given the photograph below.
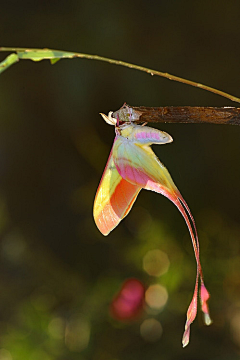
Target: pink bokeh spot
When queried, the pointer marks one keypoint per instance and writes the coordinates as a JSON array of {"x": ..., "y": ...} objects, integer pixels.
[{"x": 129, "y": 302}]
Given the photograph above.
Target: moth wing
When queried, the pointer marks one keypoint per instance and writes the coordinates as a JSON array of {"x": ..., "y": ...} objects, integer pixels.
[
  {"x": 114, "y": 198},
  {"x": 147, "y": 135},
  {"x": 137, "y": 164}
]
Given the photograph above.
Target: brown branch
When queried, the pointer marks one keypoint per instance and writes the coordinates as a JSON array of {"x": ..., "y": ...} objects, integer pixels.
[{"x": 179, "y": 114}]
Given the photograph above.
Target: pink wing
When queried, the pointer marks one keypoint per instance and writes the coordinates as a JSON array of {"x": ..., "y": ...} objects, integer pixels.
[
  {"x": 114, "y": 198},
  {"x": 137, "y": 163}
]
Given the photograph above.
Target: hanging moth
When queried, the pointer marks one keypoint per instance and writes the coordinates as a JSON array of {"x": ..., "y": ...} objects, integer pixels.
[{"x": 132, "y": 165}]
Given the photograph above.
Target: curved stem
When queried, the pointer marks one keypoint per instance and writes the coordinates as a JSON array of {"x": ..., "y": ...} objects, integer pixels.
[{"x": 41, "y": 54}]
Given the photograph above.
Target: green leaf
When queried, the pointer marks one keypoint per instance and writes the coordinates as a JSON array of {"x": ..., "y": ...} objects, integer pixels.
[
  {"x": 53, "y": 61},
  {"x": 42, "y": 54},
  {"x": 10, "y": 60}
]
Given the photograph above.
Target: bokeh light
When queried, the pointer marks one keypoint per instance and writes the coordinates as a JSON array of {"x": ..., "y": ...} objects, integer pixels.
[
  {"x": 156, "y": 296},
  {"x": 5, "y": 355},
  {"x": 77, "y": 334},
  {"x": 56, "y": 328},
  {"x": 156, "y": 262},
  {"x": 151, "y": 330},
  {"x": 129, "y": 302}
]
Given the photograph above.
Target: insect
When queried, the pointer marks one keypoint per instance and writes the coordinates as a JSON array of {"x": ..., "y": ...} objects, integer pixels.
[{"x": 132, "y": 165}]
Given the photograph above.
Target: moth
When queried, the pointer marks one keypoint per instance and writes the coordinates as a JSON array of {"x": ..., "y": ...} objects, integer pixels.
[{"x": 132, "y": 165}]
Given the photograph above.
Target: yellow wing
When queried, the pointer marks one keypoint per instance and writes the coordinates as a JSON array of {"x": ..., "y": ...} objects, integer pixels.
[{"x": 114, "y": 198}]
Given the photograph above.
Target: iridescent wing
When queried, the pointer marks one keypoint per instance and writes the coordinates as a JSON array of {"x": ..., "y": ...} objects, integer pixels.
[
  {"x": 114, "y": 198},
  {"x": 136, "y": 163}
]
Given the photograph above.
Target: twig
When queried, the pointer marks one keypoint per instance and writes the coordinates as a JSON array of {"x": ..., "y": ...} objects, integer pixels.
[
  {"x": 54, "y": 55},
  {"x": 179, "y": 114}
]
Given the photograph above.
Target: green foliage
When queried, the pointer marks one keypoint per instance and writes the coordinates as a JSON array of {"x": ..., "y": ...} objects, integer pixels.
[{"x": 10, "y": 60}]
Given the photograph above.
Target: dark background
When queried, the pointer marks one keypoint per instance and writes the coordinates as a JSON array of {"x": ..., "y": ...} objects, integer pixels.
[{"x": 58, "y": 273}]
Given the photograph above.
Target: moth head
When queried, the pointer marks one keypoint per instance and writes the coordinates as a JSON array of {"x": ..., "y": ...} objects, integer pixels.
[{"x": 127, "y": 114}]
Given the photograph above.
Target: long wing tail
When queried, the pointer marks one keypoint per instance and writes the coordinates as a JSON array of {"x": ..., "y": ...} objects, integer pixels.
[
  {"x": 204, "y": 295},
  {"x": 139, "y": 165}
]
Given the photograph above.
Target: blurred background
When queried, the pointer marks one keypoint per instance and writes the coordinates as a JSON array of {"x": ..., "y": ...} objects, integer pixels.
[{"x": 59, "y": 275}]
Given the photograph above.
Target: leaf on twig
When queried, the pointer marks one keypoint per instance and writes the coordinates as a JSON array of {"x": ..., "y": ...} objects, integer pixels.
[{"x": 10, "y": 60}]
